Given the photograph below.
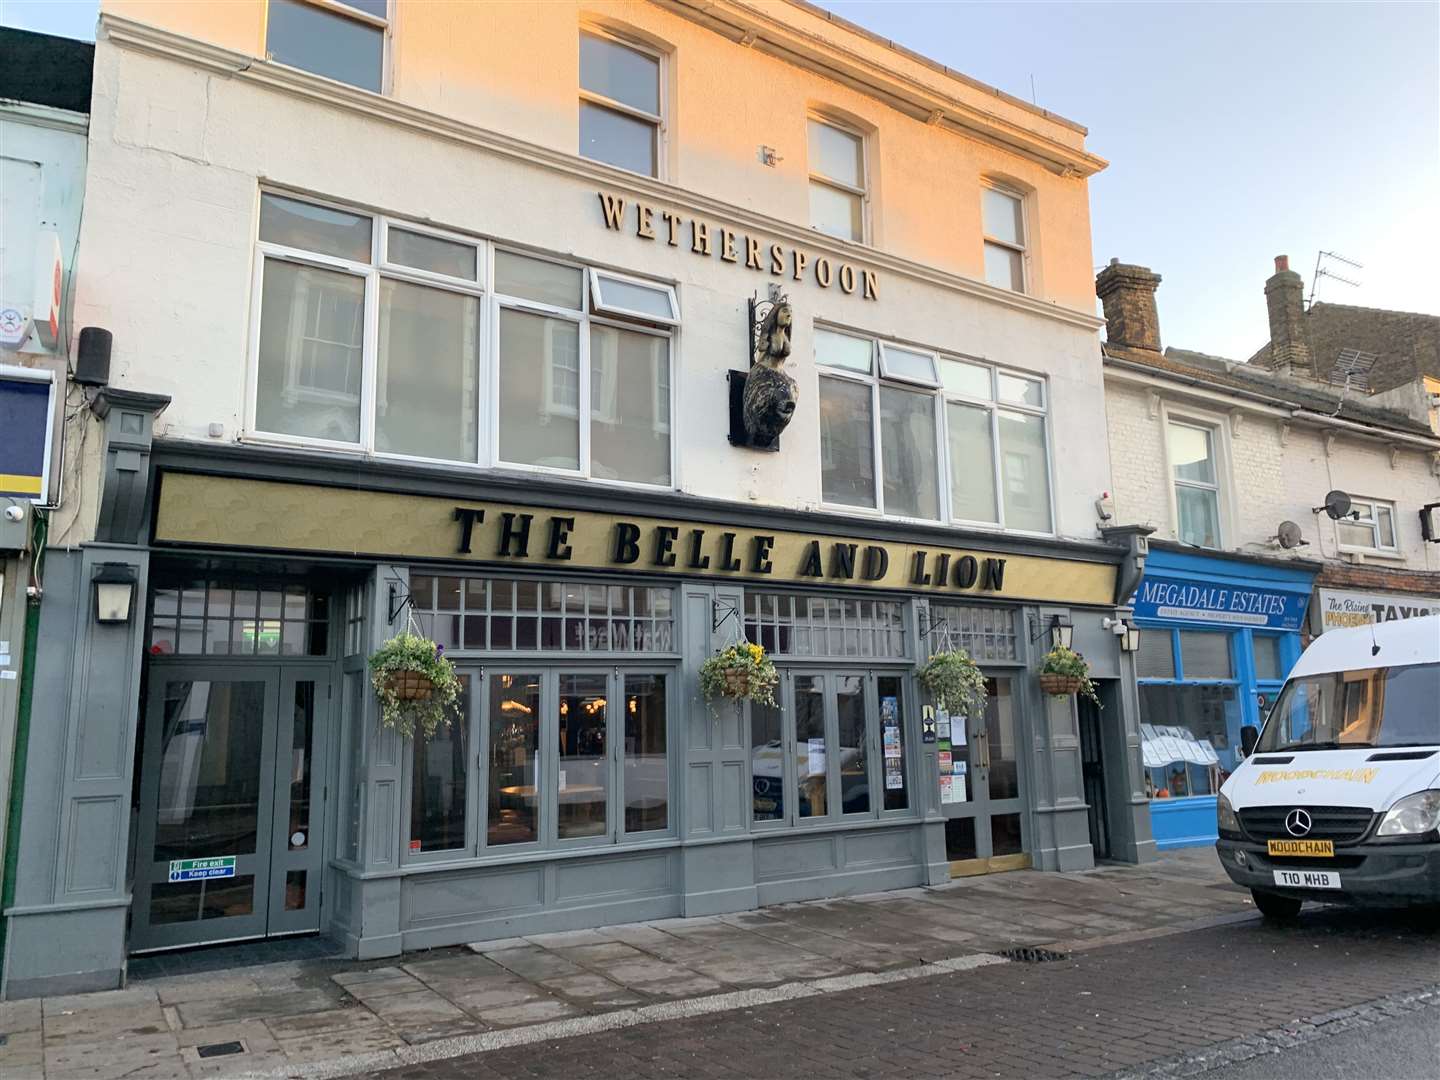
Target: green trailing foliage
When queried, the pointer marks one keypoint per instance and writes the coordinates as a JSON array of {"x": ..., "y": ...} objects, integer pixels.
[
  {"x": 741, "y": 672},
  {"x": 1063, "y": 661},
  {"x": 408, "y": 652},
  {"x": 955, "y": 682}
]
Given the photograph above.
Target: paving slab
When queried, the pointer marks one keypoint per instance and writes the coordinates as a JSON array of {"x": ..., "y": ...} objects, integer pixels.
[
  {"x": 114, "y": 1022},
  {"x": 19, "y": 1016}
]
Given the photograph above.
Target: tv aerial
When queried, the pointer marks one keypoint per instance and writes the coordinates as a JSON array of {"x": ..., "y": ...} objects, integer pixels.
[
  {"x": 1323, "y": 271},
  {"x": 1337, "y": 506},
  {"x": 1288, "y": 535}
]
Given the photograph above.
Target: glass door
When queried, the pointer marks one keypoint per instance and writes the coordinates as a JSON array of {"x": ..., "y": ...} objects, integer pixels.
[
  {"x": 296, "y": 861},
  {"x": 980, "y": 786}
]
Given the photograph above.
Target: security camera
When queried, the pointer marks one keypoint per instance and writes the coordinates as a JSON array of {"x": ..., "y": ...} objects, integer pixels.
[{"x": 14, "y": 513}]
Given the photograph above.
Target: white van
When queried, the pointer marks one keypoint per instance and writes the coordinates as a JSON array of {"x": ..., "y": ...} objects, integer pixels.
[{"x": 1338, "y": 800}]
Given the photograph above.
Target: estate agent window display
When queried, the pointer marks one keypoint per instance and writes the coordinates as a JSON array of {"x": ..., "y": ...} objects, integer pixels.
[{"x": 563, "y": 735}]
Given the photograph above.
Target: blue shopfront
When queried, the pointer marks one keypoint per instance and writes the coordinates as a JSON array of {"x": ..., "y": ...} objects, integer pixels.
[{"x": 1218, "y": 635}]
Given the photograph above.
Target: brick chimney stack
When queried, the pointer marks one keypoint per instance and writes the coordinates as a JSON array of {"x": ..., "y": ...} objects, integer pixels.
[
  {"x": 1285, "y": 299},
  {"x": 1128, "y": 295}
]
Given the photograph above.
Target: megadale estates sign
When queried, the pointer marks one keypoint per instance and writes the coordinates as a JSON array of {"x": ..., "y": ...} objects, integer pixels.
[{"x": 265, "y": 515}]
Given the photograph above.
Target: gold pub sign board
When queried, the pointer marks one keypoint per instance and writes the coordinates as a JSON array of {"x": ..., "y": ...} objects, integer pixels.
[
  {"x": 270, "y": 515},
  {"x": 707, "y": 240}
]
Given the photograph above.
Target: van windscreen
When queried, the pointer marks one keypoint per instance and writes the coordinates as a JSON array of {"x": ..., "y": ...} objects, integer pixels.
[{"x": 1371, "y": 707}]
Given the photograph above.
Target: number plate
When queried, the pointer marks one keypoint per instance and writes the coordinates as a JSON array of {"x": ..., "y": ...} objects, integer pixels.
[
  {"x": 1321, "y": 849},
  {"x": 1307, "y": 879}
]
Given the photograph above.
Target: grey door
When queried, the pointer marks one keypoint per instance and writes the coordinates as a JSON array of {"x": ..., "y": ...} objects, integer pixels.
[
  {"x": 983, "y": 800},
  {"x": 228, "y": 842}
]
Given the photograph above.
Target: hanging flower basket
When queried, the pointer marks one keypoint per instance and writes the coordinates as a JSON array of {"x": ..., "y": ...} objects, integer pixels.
[
  {"x": 955, "y": 682},
  {"x": 416, "y": 685},
  {"x": 1064, "y": 672},
  {"x": 740, "y": 672}
]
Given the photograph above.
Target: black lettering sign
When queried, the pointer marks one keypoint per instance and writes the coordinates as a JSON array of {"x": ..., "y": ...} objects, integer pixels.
[
  {"x": 810, "y": 566},
  {"x": 942, "y": 569},
  {"x": 760, "y": 555},
  {"x": 877, "y": 563},
  {"x": 918, "y": 576},
  {"x": 627, "y": 543},
  {"x": 967, "y": 571},
  {"x": 994, "y": 574},
  {"x": 842, "y": 561},
  {"x": 697, "y": 561},
  {"x": 515, "y": 536},
  {"x": 665, "y": 536},
  {"x": 559, "y": 547},
  {"x": 467, "y": 518},
  {"x": 728, "y": 562}
]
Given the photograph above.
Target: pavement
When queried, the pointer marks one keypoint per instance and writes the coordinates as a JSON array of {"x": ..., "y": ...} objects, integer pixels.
[{"x": 327, "y": 1017}]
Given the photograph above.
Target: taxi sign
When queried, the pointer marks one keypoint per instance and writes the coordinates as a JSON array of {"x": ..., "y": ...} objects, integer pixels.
[{"x": 1323, "y": 849}]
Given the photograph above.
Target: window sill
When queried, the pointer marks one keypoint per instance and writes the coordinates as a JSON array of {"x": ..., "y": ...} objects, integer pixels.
[{"x": 1373, "y": 553}]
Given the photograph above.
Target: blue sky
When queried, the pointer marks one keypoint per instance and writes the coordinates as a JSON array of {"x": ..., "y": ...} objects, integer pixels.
[{"x": 1235, "y": 132}]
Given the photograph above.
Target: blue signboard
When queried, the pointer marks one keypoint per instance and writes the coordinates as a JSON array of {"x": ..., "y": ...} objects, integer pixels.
[
  {"x": 25, "y": 416},
  {"x": 1222, "y": 604}
]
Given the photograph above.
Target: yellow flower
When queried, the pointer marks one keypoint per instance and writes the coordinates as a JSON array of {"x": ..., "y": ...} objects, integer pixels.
[{"x": 756, "y": 652}]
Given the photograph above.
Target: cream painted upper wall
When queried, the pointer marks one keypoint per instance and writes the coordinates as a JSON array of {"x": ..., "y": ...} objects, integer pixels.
[{"x": 513, "y": 67}]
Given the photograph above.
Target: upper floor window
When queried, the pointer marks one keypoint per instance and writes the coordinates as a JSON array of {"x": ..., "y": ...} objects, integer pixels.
[
  {"x": 1372, "y": 528},
  {"x": 837, "y": 180},
  {"x": 911, "y": 418},
  {"x": 373, "y": 334},
  {"x": 1005, "y": 238},
  {"x": 620, "y": 117},
  {"x": 342, "y": 40},
  {"x": 1194, "y": 466}
]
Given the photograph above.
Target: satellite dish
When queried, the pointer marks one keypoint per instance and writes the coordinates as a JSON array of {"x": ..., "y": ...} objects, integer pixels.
[
  {"x": 1337, "y": 504},
  {"x": 1289, "y": 535}
]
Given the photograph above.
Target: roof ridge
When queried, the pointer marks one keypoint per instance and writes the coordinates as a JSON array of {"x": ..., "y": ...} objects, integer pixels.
[{"x": 1378, "y": 310}]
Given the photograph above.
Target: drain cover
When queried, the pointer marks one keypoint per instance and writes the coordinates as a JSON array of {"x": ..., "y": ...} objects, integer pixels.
[
  {"x": 1032, "y": 956},
  {"x": 210, "y": 1050}
]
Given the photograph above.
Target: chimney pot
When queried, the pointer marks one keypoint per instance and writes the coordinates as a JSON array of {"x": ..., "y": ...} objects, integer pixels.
[
  {"x": 1285, "y": 304},
  {"x": 1282, "y": 262},
  {"x": 1128, "y": 295}
]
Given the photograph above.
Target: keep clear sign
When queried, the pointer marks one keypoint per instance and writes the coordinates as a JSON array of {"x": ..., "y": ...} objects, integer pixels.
[{"x": 202, "y": 869}]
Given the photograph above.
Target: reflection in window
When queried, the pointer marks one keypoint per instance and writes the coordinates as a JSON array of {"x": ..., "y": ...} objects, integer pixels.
[
  {"x": 427, "y": 387},
  {"x": 584, "y": 781},
  {"x": 837, "y": 181},
  {"x": 895, "y": 776},
  {"x": 812, "y": 762},
  {"x": 514, "y": 723},
  {"x": 854, "y": 744},
  {"x": 439, "y": 774},
  {"x": 847, "y": 443},
  {"x": 328, "y": 40},
  {"x": 1197, "y": 488},
  {"x": 1003, "y": 214},
  {"x": 767, "y": 763},
  {"x": 629, "y": 405},
  {"x": 619, "y": 104},
  {"x": 539, "y": 390},
  {"x": 646, "y": 781}
]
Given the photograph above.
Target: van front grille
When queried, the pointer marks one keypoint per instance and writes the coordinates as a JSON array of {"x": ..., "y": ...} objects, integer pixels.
[{"x": 1342, "y": 824}]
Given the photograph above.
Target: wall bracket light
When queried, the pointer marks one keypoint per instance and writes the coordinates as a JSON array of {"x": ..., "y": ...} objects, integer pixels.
[{"x": 114, "y": 585}]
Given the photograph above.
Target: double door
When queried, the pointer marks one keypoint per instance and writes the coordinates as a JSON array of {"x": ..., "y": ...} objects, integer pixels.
[
  {"x": 231, "y": 803},
  {"x": 981, "y": 795}
]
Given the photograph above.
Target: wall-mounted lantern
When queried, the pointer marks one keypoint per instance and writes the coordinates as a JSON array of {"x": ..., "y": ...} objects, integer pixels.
[
  {"x": 114, "y": 592},
  {"x": 1131, "y": 641},
  {"x": 1062, "y": 631}
]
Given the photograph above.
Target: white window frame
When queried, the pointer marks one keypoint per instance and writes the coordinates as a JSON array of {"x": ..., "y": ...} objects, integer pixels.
[
  {"x": 1024, "y": 247},
  {"x": 1220, "y": 449},
  {"x": 662, "y": 96},
  {"x": 488, "y": 371},
  {"x": 595, "y": 275},
  {"x": 1372, "y": 521},
  {"x": 839, "y": 185},
  {"x": 993, "y": 407},
  {"x": 338, "y": 7}
]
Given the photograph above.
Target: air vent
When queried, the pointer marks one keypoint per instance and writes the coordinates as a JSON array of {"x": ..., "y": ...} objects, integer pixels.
[
  {"x": 1030, "y": 955},
  {"x": 1273, "y": 760},
  {"x": 1402, "y": 755},
  {"x": 221, "y": 1049}
]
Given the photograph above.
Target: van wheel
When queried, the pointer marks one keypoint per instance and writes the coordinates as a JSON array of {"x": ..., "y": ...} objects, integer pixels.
[{"x": 1277, "y": 907}]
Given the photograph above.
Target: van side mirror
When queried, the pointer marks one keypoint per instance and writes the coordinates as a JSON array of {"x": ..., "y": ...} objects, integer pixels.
[{"x": 1249, "y": 736}]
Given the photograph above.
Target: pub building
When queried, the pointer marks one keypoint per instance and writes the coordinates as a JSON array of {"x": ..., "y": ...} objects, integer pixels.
[{"x": 503, "y": 408}]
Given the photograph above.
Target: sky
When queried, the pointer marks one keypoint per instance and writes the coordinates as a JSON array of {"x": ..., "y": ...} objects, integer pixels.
[{"x": 1235, "y": 133}]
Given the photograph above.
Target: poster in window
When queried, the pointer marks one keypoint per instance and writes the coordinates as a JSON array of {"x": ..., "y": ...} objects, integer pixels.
[
  {"x": 892, "y": 740},
  {"x": 957, "y": 782},
  {"x": 894, "y": 777},
  {"x": 946, "y": 789},
  {"x": 815, "y": 758},
  {"x": 942, "y": 726},
  {"x": 946, "y": 763}
]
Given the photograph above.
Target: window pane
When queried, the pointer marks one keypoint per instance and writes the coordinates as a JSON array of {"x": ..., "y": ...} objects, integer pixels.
[
  {"x": 837, "y": 154},
  {"x": 535, "y": 279},
  {"x": 617, "y": 138},
  {"x": 767, "y": 763},
  {"x": 313, "y": 39},
  {"x": 378, "y": 8},
  {"x": 847, "y": 443},
  {"x": 1354, "y": 534},
  {"x": 629, "y": 405},
  {"x": 907, "y": 452},
  {"x": 907, "y": 363},
  {"x": 1002, "y": 748},
  {"x": 314, "y": 228},
  {"x": 1190, "y": 453},
  {"x": 972, "y": 463},
  {"x": 427, "y": 386},
  {"x": 1156, "y": 658},
  {"x": 1199, "y": 516},
  {"x": 539, "y": 390},
  {"x": 1024, "y": 469},
  {"x": 1205, "y": 655},
  {"x": 628, "y": 296},
  {"x": 1267, "y": 658},
  {"x": 437, "y": 790},
  {"x": 838, "y": 213},
  {"x": 1021, "y": 391},
  {"x": 1004, "y": 218},
  {"x": 812, "y": 763},
  {"x": 1004, "y": 267},
  {"x": 583, "y": 785},
  {"x": 854, "y": 744},
  {"x": 311, "y": 332},
  {"x": 972, "y": 380},
  {"x": 514, "y": 723},
  {"x": 647, "y": 770},
  {"x": 892, "y": 742},
  {"x": 1385, "y": 526},
  {"x": 622, "y": 74},
  {"x": 1185, "y": 737},
  {"x": 843, "y": 351},
  {"x": 432, "y": 253}
]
